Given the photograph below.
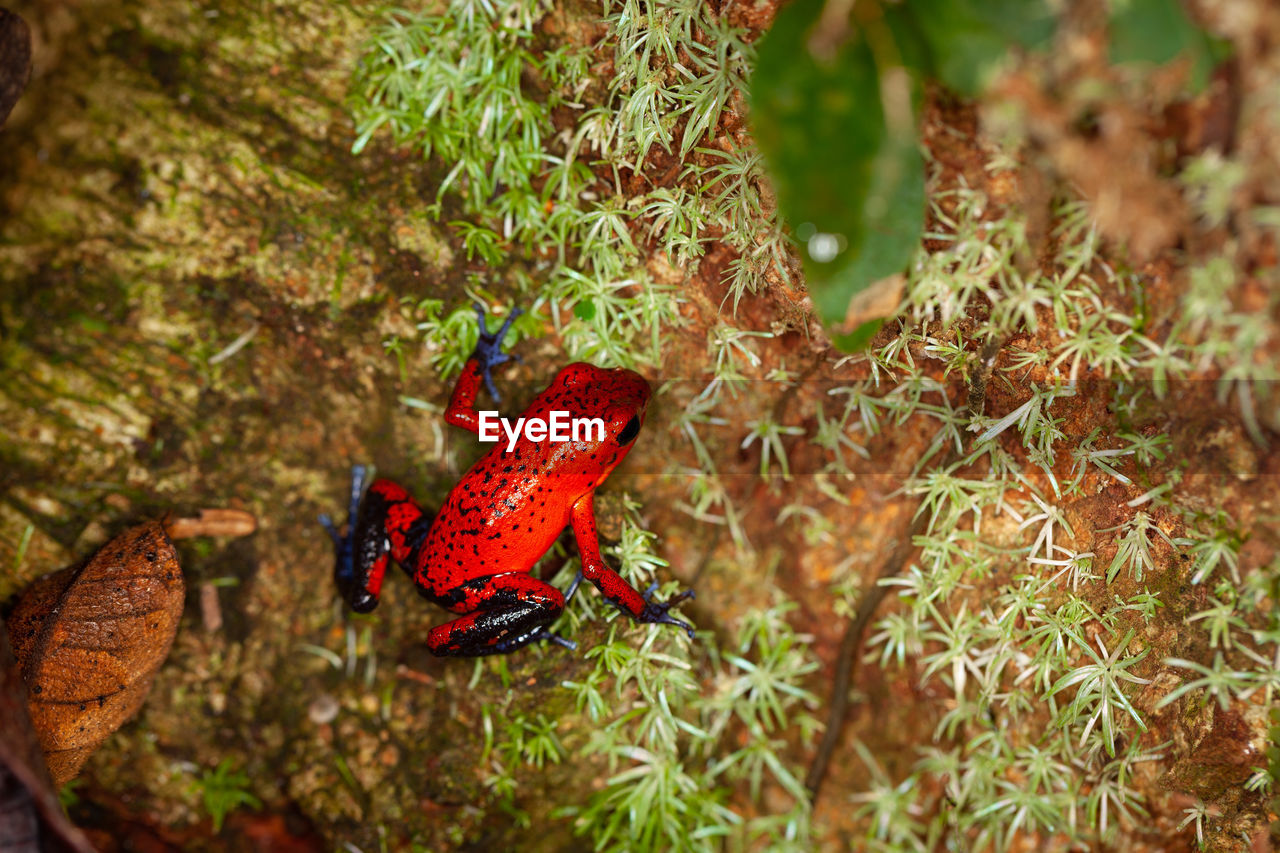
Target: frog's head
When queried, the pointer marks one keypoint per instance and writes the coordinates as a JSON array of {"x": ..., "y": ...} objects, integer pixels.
[{"x": 616, "y": 396}]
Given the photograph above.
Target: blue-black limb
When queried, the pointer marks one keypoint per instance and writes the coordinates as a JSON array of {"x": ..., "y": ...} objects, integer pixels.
[
  {"x": 511, "y": 611},
  {"x": 385, "y": 513},
  {"x": 343, "y": 545}
]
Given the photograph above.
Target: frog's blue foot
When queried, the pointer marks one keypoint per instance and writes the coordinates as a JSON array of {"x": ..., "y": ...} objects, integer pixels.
[
  {"x": 488, "y": 351},
  {"x": 656, "y": 612},
  {"x": 344, "y": 568}
]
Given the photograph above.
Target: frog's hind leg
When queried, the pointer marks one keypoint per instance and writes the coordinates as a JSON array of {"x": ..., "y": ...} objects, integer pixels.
[
  {"x": 388, "y": 522},
  {"x": 503, "y": 613}
]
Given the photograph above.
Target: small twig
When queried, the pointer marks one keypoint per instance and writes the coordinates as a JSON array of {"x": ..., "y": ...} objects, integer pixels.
[
  {"x": 851, "y": 643},
  {"x": 850, "y": 646}
]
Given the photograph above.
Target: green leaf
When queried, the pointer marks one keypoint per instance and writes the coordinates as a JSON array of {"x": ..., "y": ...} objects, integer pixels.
[
  {"x": 1159, "y": 31},
  {"x": 968, "y": 39},
  {"x": 859, "y": 337},
  {"x": 851, "y": 187}
]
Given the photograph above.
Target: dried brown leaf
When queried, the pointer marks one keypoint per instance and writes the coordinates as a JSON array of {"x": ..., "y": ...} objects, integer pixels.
[
  {"x": 89, "y": 640},
  {"x": 29, "y": 806}
]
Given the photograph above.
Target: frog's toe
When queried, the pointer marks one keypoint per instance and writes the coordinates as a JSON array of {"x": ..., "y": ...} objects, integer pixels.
[
  {"x": 487, "y": 376},
  {"x": 656, "y": 612},
  {"x": 327, "y": 523},
  {"x": 489, "y": 345},
  {"x": 488, "y": 351},
  {"x": 673, "y": 600},
  {"x": 552, "y": 637}
]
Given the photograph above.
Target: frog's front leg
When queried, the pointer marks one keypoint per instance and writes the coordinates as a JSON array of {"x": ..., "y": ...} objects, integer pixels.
[
  {"x": 387, "y": 523},
  {"x": 487, "y": 355},
  {"x": 616, "y": 590},
  {"x": 503, "y": 613}
]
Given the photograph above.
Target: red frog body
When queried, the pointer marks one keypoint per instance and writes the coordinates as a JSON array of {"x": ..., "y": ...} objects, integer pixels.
[{"x": 475, "y": 556}]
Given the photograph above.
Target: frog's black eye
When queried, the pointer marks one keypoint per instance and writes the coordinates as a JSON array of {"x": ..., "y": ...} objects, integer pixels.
[{"x": 630, "y": 431}]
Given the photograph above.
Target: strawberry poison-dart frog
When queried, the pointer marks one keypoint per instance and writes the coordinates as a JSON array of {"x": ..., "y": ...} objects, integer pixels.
[{"x": 475, "y": 557}]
